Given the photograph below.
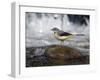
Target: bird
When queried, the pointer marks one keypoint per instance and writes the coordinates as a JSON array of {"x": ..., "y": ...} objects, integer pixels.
[{"x": 61, "y": 35}]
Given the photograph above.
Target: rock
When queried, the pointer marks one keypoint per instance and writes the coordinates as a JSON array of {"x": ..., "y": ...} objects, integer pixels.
[
  {"x": 62, "y": 52},
  {"x": 39, "y": 51}
]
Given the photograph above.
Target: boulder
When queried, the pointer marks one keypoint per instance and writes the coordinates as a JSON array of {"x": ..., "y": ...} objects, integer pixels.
[{"x": 62, "y": 52}]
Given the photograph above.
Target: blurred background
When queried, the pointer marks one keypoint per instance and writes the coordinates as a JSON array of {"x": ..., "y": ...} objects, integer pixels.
[
  {"x": 40, "y": 39},
  {"x": 39, "y": 25}
]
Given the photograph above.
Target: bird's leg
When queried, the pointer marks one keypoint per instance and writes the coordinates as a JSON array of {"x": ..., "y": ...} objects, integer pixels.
[{"x": 62, "y": 42}]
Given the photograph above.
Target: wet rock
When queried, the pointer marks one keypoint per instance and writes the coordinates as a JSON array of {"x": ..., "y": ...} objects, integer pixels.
[{"x": 62, "y": 52}]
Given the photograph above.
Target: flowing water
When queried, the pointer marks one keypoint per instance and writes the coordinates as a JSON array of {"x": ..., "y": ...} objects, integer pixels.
[{"x": 38, "y": 34}]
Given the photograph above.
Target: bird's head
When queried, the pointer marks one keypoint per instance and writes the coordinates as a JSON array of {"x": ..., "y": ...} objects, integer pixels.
[{"x": 55, "y": 29}]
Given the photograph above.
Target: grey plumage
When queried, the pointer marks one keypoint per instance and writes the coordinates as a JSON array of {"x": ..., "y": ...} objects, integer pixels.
[{"x": 60, "y": 32}]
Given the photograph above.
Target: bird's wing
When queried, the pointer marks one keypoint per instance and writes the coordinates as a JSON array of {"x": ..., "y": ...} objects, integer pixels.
[{"x": 62, "y": 33}]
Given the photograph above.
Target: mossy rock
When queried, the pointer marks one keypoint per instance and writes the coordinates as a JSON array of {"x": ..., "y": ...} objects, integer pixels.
[{"x": 62, "y": 52}]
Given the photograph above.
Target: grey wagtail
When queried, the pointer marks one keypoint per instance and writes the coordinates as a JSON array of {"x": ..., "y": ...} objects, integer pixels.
[{"x": 61, "y": 35}]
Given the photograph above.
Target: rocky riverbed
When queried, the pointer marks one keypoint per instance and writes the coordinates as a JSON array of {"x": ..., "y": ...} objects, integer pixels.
[{"x": 54, "y": 55}]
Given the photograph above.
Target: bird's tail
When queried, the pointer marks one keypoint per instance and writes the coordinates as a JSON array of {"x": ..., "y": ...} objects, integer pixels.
[{"x": 79, "y": 34}]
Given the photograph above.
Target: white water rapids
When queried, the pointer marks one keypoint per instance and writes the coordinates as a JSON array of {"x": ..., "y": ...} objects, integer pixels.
[{"x": 38, "y": 31}]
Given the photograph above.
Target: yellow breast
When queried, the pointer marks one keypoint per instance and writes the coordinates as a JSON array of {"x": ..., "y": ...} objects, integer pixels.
[{"x": 62, "y": 38}]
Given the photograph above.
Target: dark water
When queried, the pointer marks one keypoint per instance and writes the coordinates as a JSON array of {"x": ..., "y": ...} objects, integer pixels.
[{"x": 35, "y": 57}]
